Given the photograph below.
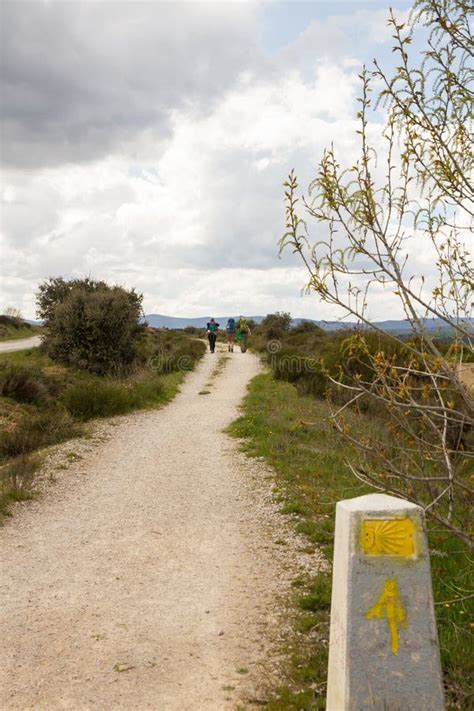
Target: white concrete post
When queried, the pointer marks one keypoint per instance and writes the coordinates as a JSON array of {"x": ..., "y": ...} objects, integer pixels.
[{"x": 383, "y": 644}]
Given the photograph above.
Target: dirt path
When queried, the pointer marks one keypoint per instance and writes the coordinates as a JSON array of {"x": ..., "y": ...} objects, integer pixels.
[
  {"x": 147, "y": 577},
  {"x": 20, "y": 344}
]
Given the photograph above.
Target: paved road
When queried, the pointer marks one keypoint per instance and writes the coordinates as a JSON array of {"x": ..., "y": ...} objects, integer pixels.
[{"x": 20, "y": 345}]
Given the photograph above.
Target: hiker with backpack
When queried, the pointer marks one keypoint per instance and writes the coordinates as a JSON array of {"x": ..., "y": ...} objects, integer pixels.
[
  {"x": 212, "y": 330},
  {"x": 230, "y": 330},
  {"x": 243, "y": 333}
]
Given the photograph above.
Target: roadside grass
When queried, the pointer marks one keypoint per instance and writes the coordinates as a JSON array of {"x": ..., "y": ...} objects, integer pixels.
[
  {"x": 11, "y": 329},
  {"x": 27, "y": 429},
  {"x": 24, "y": 357},
  {"x": 293, "y": 434},
  {"x": 19, "y": 333},
  {"x": 15, "y": 482},
  {"x": 43, "y": 402},
  {"x": 170, "y": 351},
  {"x": 93, "y": 397}
]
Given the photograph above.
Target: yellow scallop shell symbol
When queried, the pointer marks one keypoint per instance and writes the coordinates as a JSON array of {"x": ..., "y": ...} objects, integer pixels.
[{"x": 388, "y": 537}]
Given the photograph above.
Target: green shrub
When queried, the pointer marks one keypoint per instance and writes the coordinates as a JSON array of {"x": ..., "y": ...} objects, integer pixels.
[
  {"x": 16, "y": 479},
  {"x": 105, "y": 397},
  {"x": 306, "y": 372},
  {"x": 273, "y": 326},
  {"x": 309, "y": 358},
  {"x": 11, "y": 321},
  {"x": 22, "y": 383},
  {"x": 87, "y": 400},
  {"x": 14, "y": 327},
  {"x": 175, "y": 352},
  {"x": 56, "y": 290},
  {"x": 94, "y": 327},
  {"x": 32, "y": 431},
  {"x": 307, "y": 328},
  {"x": 148, "y": 391}
]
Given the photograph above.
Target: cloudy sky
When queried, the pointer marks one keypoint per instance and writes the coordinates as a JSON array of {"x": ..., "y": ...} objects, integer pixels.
[{"x": 146, "y": 143}]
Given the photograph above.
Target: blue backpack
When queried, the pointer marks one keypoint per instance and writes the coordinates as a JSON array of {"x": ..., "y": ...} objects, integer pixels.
[{"x": 230, "y": 328}]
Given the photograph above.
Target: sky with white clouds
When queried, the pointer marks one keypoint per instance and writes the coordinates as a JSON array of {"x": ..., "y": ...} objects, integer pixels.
[{"x": 145, "y": 143}]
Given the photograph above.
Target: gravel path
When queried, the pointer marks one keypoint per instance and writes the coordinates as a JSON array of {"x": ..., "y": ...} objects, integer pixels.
[
  {"x": 147, "y": 576},
  {"x": 20, "y": 344}
]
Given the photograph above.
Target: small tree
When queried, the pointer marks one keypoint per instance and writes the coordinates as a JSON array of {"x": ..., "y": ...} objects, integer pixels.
[
  {"x": 273, "y": 326},
  {"x": 425, "y": 195},
  {"x": 14, "y": 314},
  {"x": 308, "y": 327},
  {"x": 91, "y": 325},
  {"x": 54, "y": 291}
]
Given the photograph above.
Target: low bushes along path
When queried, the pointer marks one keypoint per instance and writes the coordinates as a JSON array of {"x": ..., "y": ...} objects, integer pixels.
[{"x": 147, "y": 576}]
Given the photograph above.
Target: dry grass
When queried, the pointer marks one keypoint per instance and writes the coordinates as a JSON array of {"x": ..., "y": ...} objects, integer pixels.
[
  {"x": 16, "y": 481},
  {"x": 466, "y": 374}
]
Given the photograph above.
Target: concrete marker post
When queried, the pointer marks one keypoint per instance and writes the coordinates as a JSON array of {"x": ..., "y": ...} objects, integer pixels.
[{"x": 383, "y": 643}]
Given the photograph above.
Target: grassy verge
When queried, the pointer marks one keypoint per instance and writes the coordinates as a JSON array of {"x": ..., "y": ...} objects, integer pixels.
[
  {"x": 11, "y": 329},
  {"x": 20, "y": 333},
  {"x": 43, "y": 403},
  {"x": 292, "y": 433}
]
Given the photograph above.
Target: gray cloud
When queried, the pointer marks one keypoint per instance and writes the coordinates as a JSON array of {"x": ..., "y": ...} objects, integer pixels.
[
  {"x": 82, "y": 78},
  {"x": 147, "y": 144}
]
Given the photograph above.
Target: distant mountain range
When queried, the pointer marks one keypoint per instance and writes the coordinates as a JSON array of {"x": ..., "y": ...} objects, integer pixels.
[
  {"x": 160, "y": 321},
  {"x": 434, "y": 325}
]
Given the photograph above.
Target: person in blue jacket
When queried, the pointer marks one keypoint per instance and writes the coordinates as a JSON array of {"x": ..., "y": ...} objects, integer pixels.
[{"x": 230, "y": 330}]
